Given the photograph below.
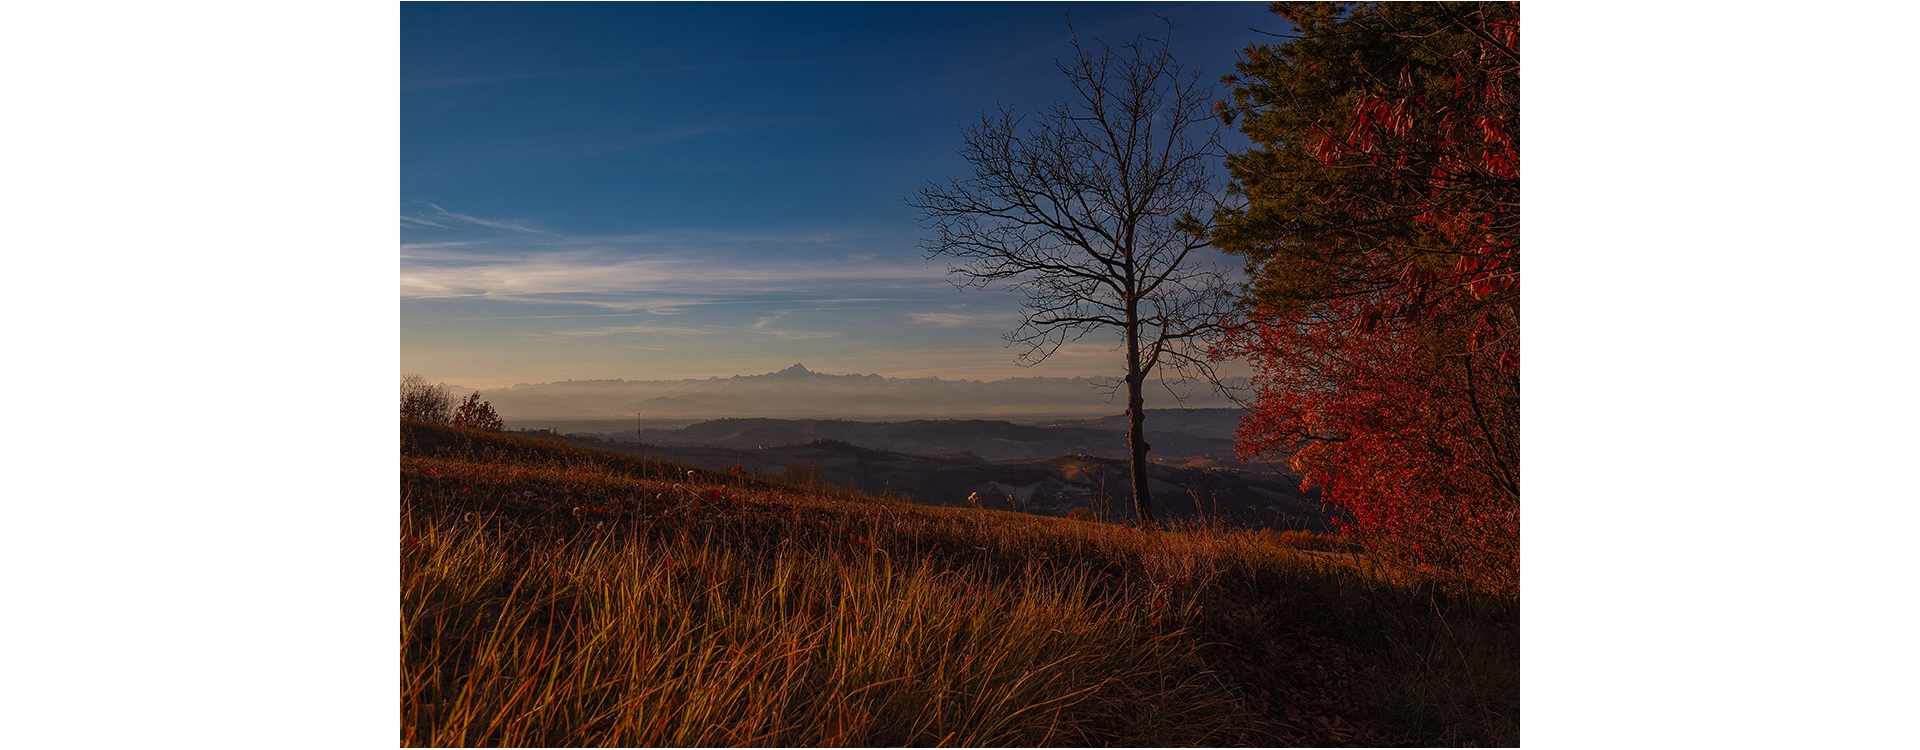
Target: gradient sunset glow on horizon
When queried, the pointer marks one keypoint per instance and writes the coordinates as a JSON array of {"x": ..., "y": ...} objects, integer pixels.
[{"x": 664, "y": 191}]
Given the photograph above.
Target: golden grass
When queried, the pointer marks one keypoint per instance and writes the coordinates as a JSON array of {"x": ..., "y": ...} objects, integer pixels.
[
  {"x": 683, "y": 641},
  {"x": 556, "y": 596}
]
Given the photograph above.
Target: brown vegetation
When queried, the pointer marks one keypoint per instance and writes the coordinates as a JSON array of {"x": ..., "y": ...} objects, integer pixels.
[{"x": 553, "y": 595}]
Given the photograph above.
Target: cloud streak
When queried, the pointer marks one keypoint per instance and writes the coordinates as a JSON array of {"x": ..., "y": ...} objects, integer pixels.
[
  {"x": 769, "y": 325},
  {"x": 641, "y": 328},
  {"x": 960, "y": 320},
  {"x": 436, "y": 217},
  {"x": 652, "y": 282}
]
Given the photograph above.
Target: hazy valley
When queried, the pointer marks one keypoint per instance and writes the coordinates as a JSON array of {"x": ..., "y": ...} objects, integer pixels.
[{"x": 1045, "y": 468}]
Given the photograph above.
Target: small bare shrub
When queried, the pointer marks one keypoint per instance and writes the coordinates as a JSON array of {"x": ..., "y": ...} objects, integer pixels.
[{"x": 424, "y": 401}]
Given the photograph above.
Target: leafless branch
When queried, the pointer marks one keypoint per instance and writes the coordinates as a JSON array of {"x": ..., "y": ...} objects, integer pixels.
[{"x": 1089, "y": 209}]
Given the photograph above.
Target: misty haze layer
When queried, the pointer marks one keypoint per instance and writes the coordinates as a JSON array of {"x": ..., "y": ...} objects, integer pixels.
[{"x": 799, "y": 392}]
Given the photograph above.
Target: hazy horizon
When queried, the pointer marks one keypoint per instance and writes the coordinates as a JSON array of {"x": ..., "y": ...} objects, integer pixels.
[
  {"x": 809, "y": 369},
  {"x": 798, "y": 392}
]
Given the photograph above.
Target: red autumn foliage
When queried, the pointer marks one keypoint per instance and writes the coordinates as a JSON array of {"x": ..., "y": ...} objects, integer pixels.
[
  {"x": 478, "y": 415},
  {"x": 1382, "y": 232}
]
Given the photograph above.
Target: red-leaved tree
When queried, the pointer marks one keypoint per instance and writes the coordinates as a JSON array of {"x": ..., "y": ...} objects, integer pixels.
[
  {"x": 477, "y": 414},
  {"x": 1381, "y": 229}
]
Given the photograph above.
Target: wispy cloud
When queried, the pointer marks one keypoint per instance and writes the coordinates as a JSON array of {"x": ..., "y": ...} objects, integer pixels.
[
  {"x": 435, "y": 217},
  {"x": 769, "y": 325},
  {"x": 640, "y": 328},
  {"x": 856, "y": 300},
  {"x": 544, "y": 317},
  {"x": 656, "y": 282},
  {"x": 416, "y": 247},
  {"x": 959, "y": 320}
]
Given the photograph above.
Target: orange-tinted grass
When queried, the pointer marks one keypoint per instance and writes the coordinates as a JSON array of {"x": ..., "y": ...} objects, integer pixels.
[
  {"x": 691, "y": 640},
  {"x": 556, "y": 596}
]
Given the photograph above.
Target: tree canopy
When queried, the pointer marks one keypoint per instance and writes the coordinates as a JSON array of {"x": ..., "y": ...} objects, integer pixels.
[{"x": 1380, "y": 220}]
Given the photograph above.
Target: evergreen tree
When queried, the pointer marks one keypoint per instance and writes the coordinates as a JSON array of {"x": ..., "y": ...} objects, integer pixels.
[{"x": 1381, "y": 226}]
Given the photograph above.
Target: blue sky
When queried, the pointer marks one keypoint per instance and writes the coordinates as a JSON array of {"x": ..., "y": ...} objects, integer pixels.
[{"x": 652, "y": 191}]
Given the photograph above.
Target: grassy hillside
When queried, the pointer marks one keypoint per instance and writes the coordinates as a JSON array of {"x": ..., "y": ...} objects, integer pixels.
[{"x": 553, "y": 595}]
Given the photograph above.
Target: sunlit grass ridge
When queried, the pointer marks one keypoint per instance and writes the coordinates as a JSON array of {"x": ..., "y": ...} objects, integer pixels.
[{"x": 556, "y": 596}]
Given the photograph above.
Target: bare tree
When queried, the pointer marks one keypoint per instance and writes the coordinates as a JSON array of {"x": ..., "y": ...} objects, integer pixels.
[
  {"x": 1095, "y": 210},
  {"x": 424, "y": 401}
]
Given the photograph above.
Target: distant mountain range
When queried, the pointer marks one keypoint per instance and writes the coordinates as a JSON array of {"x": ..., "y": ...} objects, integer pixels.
[{"x": 797, "y": 392}]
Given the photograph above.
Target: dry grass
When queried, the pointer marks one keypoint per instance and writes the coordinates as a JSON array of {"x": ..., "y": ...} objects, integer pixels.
[{"x": 556, "y": 596}]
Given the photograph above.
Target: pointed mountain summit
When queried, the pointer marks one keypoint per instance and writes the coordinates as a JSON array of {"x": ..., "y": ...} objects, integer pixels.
[{"x": 796, "y": 371}]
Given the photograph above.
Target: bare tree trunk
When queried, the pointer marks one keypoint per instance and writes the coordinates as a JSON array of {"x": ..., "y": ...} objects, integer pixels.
[
  {"x": 1137, "y": 448},
  {"x": 1137, "y": 421}
]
